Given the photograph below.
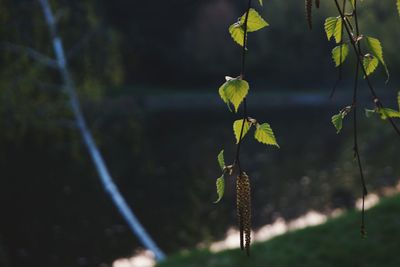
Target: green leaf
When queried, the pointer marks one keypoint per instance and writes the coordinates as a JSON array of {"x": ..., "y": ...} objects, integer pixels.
[
  {"x": 265, "y": 135},
  {"x": 254, "y": 21},
  {"x": 222, "y": 93},
  {"x": 339, "y": 54},
  {"x": 376, "y": 50},
  {"x": 337, "y": 121},
  {"x": 388, "y": 113},
  {"x": 398, "y": 6},
  {"x": 330, "y": 24},
  {"x": 237, "y": 33},
  {"x": 383, "y": 112},
  {"x": 221, "y": 160},
  {"x": 234, "y": 90},
  {"x": 370, "y": 63},
  {"x": 237, "y": 128},
  {"x": 398, "y": 99},
  {"x": 333, "y": 27},
  {"x": 220, "y": 188},
  {"x": 261, "y": 2}
]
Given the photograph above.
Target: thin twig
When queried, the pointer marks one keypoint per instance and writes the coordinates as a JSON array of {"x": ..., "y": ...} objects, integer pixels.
[
  {"x": 32, "y": 53},
  {"x": 242, "y": 75},
  {"x": 355, "y": 132},
  {"x": 339, "y": 78}
]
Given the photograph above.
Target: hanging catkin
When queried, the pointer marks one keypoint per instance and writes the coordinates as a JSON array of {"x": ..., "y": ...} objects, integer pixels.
[
  {"x": 243, "y": 208},
  {"x": 309, "y": 13}
]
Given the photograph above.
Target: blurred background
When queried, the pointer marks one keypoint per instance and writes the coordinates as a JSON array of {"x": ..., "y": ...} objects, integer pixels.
[{"x": 147, "y": 74}]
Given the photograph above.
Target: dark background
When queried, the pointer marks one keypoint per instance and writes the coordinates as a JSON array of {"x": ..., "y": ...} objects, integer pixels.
[{"x": 147, "y": 74}]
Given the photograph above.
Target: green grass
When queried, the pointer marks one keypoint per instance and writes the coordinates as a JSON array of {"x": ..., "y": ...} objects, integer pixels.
[{"x": 335, "y": 243}]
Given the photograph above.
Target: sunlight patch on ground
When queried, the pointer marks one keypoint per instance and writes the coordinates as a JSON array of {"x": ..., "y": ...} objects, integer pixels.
[
  {"x": 370, "y": 201},
  {"x": 143, "y": 258},
  {"x": 279, "y": 227}
]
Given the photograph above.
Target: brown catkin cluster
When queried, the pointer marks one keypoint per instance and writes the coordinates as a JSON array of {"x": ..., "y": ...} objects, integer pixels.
[
  {"x": 309, "y": 13},
  {"x": 243, "y": 208},
  {"x": 317, "y": 3}
]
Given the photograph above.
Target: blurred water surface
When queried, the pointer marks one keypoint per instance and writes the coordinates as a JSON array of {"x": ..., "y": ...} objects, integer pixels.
[{"x": 164, "y": 161}]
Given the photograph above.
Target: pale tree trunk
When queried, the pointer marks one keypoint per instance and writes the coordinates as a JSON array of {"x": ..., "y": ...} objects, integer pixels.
[{"x": 94, "y": 152}]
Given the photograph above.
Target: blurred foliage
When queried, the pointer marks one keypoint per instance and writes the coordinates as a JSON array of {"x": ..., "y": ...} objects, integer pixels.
[{"x": 30, "y": 92}]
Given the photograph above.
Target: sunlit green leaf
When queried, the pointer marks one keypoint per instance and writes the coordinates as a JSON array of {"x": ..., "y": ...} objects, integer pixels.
[
  {"x": 254, "y": 21},
  {"x": 237, "y": 33},
  {"x": 221, "y": 160},
  {"x": 398, "y": 6},
  {"x": 388, "y": 113},
  {"x": 234, "y": 90},
  {"x": 265, "y": 135},
  {"x": 398, "y": 99},
  {"x": 220, "y": 188},
  {"x": 337, "y": 121},
  {"x": 376, "y": 50},
  {"x": 333, "y": 28},
  {"x": 339, "y": 54},
  {"x": 237, "y": 128},
  {"x": 330, "y": 24},
  {"x": 383, "y": 112},
  {"x": 222, "y": 94},
  {"x": 370, "y": 63}
]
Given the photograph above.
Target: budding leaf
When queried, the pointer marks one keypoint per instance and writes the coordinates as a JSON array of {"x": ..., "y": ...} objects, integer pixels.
[
  {"x": 237, "y": 128},
  {"x": 234, "y": 91},
  {"x": 376, "y": 50},
  {"x": 265, "y": 135},
  {"x": 221, "y": 160},
  {"x": 254, "y": 21},
  {"x": 333, "y": 27},
  {"x": 370, "y": 63},
  {"x": 261, "y": 2},
  {"x": 220, "y": 188},
  {"x": 339, "y": 54}
]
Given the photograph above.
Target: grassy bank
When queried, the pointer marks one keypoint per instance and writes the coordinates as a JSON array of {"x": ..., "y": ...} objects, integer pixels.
[{"x": 336, "y": 243}]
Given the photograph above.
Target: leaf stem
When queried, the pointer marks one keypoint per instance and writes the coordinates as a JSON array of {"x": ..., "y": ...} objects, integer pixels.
[{"x": 355, "y": 132}]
